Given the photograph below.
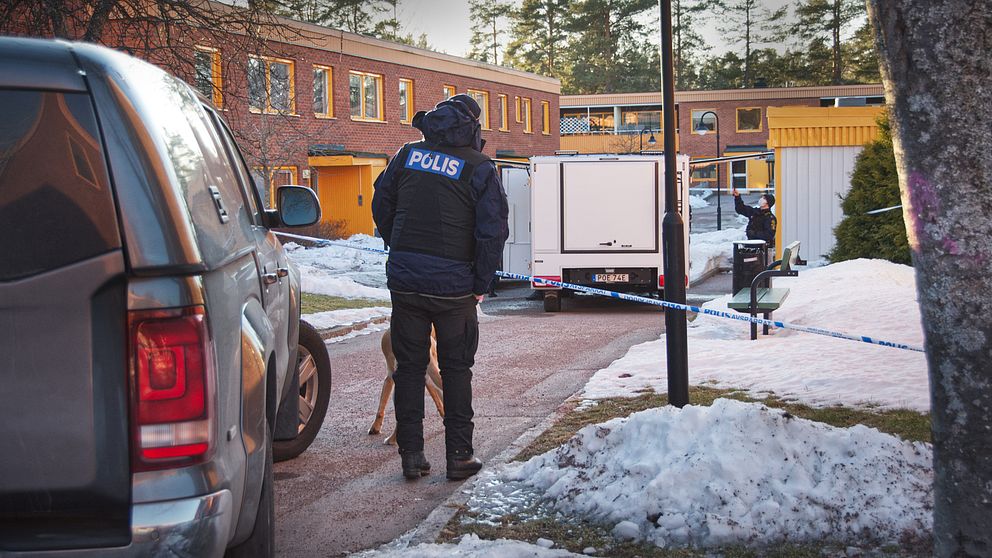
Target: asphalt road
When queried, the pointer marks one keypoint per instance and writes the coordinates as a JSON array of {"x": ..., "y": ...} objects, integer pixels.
[{"x": 346, "y": 492}]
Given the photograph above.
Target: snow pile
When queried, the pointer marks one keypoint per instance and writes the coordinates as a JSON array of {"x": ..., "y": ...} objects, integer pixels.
[
  {"x": 736, "y": 473},
  {"x": 867, "y": 297},
  {"x": 346, "y": 317},
  {"x": 471, "y": 546},
  {"x": 337, "y": 270},
  {"x": 698, "y": 202},
  {"x": 711, "y": 250}
]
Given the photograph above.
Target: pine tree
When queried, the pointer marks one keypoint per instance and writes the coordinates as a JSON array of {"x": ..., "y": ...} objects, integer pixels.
[
  {"x": 608, "y": 47},
  {"x": 687, "y": 43},
  {"x": 862, "y": 57},
  {"x": 749, "y": 23},
  {"x": 826, "y": 20},
  {"x": 356, "y": 16},
  {"x": 487, "y": 29},
  {"x": 539, "y": 37},
  {"x": 874, "y": 185}
]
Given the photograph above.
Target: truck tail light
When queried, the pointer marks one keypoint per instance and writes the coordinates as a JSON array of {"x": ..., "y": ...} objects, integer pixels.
[
  {"x": 537, "y": 285},
  {"x": 661, "y": 281},
  {"x": 172, "y": 379}
]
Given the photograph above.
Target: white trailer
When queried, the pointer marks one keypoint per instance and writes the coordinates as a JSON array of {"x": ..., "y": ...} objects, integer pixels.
[
  {"x": 596, "y": 221},
  {"x": 517, "y": 250}
]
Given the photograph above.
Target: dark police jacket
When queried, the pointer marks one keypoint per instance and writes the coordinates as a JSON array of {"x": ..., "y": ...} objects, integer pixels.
[
  {"x": 441, "y": 209},
  {"x": 761, "y": 223}
]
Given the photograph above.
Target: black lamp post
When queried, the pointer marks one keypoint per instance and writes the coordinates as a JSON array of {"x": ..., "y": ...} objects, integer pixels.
[
  {"x": 672, "y": 229},
  {"x": 701, "y": 130},
  {"x": 640, "y": 137}
]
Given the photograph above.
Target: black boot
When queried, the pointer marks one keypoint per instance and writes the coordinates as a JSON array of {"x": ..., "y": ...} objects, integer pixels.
[
  {"x": 462, "y": 466},
  {"x": 415, "y": 465}
]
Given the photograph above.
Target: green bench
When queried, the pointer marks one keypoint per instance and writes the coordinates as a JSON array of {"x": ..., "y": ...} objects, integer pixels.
[{"x": 767, "y": 300}]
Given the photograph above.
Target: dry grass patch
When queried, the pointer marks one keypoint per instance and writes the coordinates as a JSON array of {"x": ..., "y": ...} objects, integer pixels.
[{"x": 313, "y": 303}]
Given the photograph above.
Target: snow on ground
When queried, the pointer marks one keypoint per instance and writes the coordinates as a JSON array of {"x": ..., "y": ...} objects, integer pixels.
[
  {"x": 346, "y": 317},
  {"x": 470, "y": 546},
  {"x": 698, "y": 202},
  {"x": 711, "y": 250},
  {"x": 341, "y": 271},
  {"x": 876, "y": 298},
  {"x": 727, "y": 474}
]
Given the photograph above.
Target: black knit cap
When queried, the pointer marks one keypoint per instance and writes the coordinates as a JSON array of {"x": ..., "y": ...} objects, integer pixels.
[{"x": 770, "y": 198}]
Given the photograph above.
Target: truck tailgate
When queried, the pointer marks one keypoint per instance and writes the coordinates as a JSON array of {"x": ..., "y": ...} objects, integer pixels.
[{"x": 64, "y": 442}]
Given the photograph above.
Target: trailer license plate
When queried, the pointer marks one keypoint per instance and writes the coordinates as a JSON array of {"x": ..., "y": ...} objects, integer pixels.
[{"x": 611, "y": 277}]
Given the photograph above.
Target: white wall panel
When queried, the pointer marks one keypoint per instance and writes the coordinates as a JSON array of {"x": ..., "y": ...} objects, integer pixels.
[{"x": 813, "y": 179}]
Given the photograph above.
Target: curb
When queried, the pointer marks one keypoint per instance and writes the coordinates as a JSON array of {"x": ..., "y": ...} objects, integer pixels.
[
  {"x": 338, "y": 331},
  {"x": 430, "y": 528}
]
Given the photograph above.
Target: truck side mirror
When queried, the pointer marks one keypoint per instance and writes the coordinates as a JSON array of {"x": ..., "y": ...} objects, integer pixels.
[{"x": 298, "y": 206}]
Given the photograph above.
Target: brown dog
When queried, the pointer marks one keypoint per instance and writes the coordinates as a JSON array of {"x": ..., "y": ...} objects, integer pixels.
[{"x": 433, "y": 383}]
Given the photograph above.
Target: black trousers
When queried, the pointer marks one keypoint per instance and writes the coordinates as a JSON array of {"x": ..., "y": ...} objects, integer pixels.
[{"x": 457, "y": 327}]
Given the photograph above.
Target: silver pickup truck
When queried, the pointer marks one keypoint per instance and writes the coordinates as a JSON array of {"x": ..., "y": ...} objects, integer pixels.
[{"x": 149, "y": 318}]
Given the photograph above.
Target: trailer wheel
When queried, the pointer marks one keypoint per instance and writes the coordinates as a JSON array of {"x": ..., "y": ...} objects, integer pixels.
[{"x": 552, "y": 301}]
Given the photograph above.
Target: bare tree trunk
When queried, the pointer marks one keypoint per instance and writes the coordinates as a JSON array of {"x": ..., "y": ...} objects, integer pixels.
[
  {"x": 837, "y": 22},
  {"x": 937, "y": 74}
]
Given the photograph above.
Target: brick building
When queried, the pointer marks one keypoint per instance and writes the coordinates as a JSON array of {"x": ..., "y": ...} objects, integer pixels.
[
  {"x": 326, "y": 108},
  {"x": 626, "y": 122}
]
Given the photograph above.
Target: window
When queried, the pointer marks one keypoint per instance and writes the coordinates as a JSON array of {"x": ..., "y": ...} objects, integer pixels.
[
  {"x": 638, "y": 118},
  {"x": 738, "y": 174},
  {"x": 270, "y": 85},
  {"x": 365, "y": 93},
  {"x": 705, "y": 174},
  {"x": 208, "y": 78},
  {"x": 749, "y": 119},
  {"x": 709, "y": 123},
  {"x": 55, "y": 194},
  {"x": 601, "y": 121},
  {"x": 545, "y": 118},
  {"x": 406, "y": 100},
  {"x": 525, "y": 107},
  {"x": 449, "y": 91},
  {"x": 516, "y": 109},
  {"x": 504, "y": 117},
  {"x": 323, "y": 85},
  {"x": 481, "y": 97}
]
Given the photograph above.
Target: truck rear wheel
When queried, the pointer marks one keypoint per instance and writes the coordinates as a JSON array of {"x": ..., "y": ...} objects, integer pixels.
[
  {"x": 552, "y": 301},
  {"x": 314, "y": 370}
]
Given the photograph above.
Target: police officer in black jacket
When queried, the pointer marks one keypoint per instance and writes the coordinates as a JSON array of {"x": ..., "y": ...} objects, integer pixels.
[
  {"x": 761, "y": 222},
  {"x": 441, "y": 209}
]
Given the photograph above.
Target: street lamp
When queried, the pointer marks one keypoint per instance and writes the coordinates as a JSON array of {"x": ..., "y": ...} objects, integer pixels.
[
  {"x": 640, "y": 137},
  {"x": 701, "y": 130},
  {"x": 672, "y": 229}
]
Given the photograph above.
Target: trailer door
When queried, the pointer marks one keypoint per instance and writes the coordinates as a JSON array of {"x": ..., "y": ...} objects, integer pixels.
[{"x": 610, "y": 206}]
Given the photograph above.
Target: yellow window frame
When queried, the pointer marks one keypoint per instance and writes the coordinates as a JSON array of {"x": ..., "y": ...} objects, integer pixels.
[
  {"x": 381, "y": 116},
  {"x": 408, "y": 117},
  {"x": 546, "y": 118},
  {"x": 329, "y": 90},
  {"x": 761, "y": 124},
  {"x": 483, "y": 104},
  {"x": 448, "y": 91},
  {"x": 526, "y": 107},
  {"x": 266, "y": 61},
  {"x": 504, "y": 117},
  {"x": 216, "y": 77},
  {"x": 516, "y": 106}
]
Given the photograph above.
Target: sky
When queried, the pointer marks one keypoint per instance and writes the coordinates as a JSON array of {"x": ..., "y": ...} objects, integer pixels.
[{"x": 448, "y": 27}]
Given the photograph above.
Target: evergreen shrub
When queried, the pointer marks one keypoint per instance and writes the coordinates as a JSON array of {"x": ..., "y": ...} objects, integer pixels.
[{"x": 874, "y": 185}]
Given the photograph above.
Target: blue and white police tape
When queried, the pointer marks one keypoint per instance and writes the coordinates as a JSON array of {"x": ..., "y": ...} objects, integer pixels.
[
  {"x": 652, "y": 301},
  {"x": 710, "y": 312},
  {"x": 325, "y": 242}
]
